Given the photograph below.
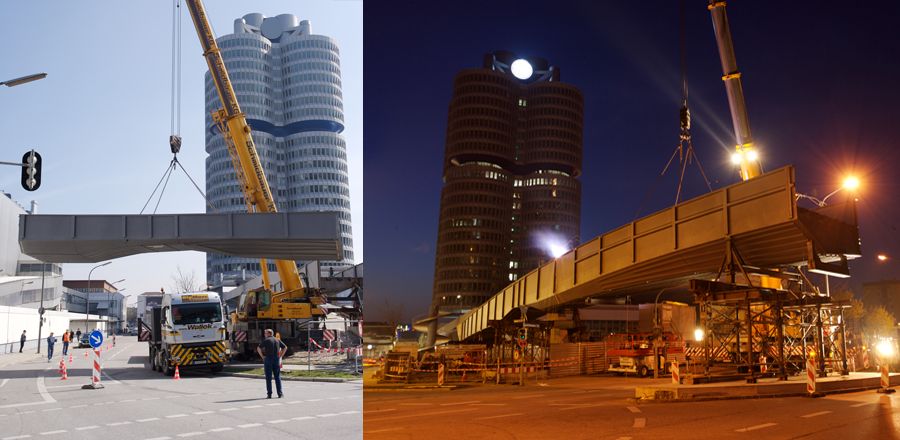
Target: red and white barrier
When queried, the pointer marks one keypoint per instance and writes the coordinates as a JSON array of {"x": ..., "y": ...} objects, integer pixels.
[
  {"x": 440, "y": 378},
  {"x": 885, "y": 377},
  {"x": 676, "y": 374},
  {"x": 763, "y": 368},
  {"x": 810, "y": 375},
  {"x": 95, "y": 377}
]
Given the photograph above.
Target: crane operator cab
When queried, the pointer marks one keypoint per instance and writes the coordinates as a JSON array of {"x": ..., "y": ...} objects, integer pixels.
[{"x": 263, "y": 304}]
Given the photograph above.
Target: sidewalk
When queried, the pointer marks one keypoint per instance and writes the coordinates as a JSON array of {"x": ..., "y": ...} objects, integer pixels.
[{"x": 26, "y": 356}]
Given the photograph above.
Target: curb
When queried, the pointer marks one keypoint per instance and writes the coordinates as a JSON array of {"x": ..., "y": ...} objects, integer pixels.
[{"x": 297, "y": 379}]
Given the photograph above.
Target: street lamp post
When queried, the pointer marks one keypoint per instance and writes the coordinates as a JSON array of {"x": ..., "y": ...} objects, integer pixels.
[
  {"x": 41, "y": 310},
  {"x": 23, "y": 79},
  {"x": 87, "y": 299}
]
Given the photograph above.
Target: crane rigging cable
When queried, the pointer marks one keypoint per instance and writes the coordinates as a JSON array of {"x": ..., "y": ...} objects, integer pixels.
[
  {"x": 175, "y": 137},
  {"x": 685, "y": 148}
]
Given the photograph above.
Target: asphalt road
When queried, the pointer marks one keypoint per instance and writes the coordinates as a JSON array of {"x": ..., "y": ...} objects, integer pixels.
[
  {"x": 138, "y": 403},
  {"x": 601, "y": 408}
]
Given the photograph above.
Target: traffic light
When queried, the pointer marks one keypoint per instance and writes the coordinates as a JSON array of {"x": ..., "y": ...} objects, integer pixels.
[
  {"x": 523, "y": 336},
  {"x": 31, "y": 170}
]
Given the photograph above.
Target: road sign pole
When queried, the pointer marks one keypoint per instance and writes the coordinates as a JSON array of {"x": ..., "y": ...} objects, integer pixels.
[{"x": 96, "y": 341}]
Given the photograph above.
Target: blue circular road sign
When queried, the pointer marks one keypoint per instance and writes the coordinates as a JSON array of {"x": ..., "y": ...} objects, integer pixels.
[{"x": 96, "y": 338}]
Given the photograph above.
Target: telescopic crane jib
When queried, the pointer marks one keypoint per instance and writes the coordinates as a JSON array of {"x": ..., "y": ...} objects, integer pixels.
[
  {"x": 746, "y": 155},
  {"x": 251, "y": 177}
]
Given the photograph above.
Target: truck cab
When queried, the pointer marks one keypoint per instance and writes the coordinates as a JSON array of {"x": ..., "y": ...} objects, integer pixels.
[{"x": 187, "y": 330}]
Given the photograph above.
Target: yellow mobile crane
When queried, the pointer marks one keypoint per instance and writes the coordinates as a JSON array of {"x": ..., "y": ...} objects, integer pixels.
[{"x": 293, "y": 301}]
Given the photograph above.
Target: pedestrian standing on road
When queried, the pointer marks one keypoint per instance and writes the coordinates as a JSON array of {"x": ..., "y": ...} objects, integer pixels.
[
  {"x": 67, "y": 337},
  {"x": 78, "y": 338},
  {"x": 50, "y": 342},
  {"x": 22, "y": 341},
  {"x": 271, "y": 350}
]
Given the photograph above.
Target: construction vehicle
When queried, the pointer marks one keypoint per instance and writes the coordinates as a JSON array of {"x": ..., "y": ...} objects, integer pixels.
[
  {"x": 186, "y": 330},
  {"x": 286, "y": 309},
  {"x": 635, "y": 352}
]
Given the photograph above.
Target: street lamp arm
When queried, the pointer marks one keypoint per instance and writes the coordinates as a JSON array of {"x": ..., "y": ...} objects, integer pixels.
[{"x": 819, "y": 203}]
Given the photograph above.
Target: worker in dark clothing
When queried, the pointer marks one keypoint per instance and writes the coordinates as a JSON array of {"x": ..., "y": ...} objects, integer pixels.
[
  {"x": 22, "y": 341},
  {"x": 271, "y": 350},
  {"x": 51, "y": 340}
]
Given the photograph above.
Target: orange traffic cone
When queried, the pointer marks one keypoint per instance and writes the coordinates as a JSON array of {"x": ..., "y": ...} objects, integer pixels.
[
  {"x": 62, "y": 365},
  {"x": 65, "y": 373},
  {"x": 177, "y": 375}
]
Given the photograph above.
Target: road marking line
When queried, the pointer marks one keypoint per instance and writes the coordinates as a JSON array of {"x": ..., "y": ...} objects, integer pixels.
[
  {"x": 221, "y": 429},
  {"x": 78, "y": 406},
  {"x": 274, "y": 422},
  {"x": 253, "y": 406},
  {"x": 51, "y": 409},
  {"x": 175, "y": 416},
  {"x": 634, "y": 409},
  {"x": 273, "y": 404},
  {"x": 380, "y": 410},
  {"x": 28, "y": 412},
  {"x": 17, "y": 437},
  {"x": 500, "y": 416},
  {"x": 85, "y": 428},
  {"x": 17, "y": 405},
  {"x": 326, "y": 415},
  {"x": 313, "y": 400},
  {"x": 815, "y": 414},
  {"x": 639, "y": 422},
  {"x": 334, "y": 398},
  {"x": 460, "y": 403},
  {"x": 151, "y": 419},
  {"x": 228, "y": 409},
  {"x": 417, "y": 404},
  {"x": 488, "y": 404},
  {"x": 159, "y": 438},
  {"x": 302, "y": 418},
  {"x": 250, "y": 425},
  {"x": 43, "y": 390},
  {"x": 191, "y": 434},
  {"x": 349, "y": 412},
  {"x": 383, "y": 430},
  {"x": 294, "y": 401},
  {"x": 432, "y": 413},
  {"x": 151, "y": 398},
  {"x": 118, "y": 423},
  {"x": 527, "y": 396},
  {"x": 857, "y": 405},
  {"x": 4, "y": 382},
  {"x": 60, "y": 431},
  {"x": 753, "y": 428},
  {"x": 200, "y": 413},
  {"x": 581, "y": 406},
  {"x": 127, "y": 400}
]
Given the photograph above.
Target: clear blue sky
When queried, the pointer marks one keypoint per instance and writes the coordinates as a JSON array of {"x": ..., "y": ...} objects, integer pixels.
[{"x": 101, "y": 118}]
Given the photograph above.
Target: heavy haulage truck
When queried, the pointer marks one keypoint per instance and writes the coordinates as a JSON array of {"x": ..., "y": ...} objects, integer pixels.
[{"x": 186, "y": 330}]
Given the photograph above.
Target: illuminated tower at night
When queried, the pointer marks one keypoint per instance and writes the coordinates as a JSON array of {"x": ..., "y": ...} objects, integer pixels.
[{"x": 511, "y": 198}]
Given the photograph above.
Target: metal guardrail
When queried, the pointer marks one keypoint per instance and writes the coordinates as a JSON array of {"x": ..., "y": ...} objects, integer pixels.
[{"x": 13, "y": 347}]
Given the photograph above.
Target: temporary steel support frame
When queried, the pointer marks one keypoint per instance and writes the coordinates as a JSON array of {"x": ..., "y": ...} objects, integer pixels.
[{"x": 731, "y": 313}]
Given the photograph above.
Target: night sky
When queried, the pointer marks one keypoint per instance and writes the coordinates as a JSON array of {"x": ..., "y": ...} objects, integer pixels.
[{"x": 821, "y": 80}]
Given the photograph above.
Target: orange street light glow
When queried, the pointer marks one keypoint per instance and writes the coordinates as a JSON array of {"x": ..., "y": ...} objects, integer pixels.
[
  {"x": 882, "y": 257},
  {"x": 851, "y": 183}
]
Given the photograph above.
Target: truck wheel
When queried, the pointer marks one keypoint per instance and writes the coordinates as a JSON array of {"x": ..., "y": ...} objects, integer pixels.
[
  {"x": 152, "y": 359},
  {"x": 169, "y": 370},
  {"x": 643, "y": 371}
]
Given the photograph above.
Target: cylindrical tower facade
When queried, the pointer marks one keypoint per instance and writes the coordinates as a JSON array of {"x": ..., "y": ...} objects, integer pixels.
[
  {"x": 288, "y": 83},
  {"x": 512, "y": 158}
]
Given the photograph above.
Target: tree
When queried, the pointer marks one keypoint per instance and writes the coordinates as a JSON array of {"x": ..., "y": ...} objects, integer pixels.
[
  {"x": 184, "y": 282},
  {"x": 878, "y": 322}
]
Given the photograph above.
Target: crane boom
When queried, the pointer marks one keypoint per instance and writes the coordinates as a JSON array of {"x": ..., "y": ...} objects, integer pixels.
[
  {"x": 233, "y": 124},
  {"x": 746, "y": 155}
]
